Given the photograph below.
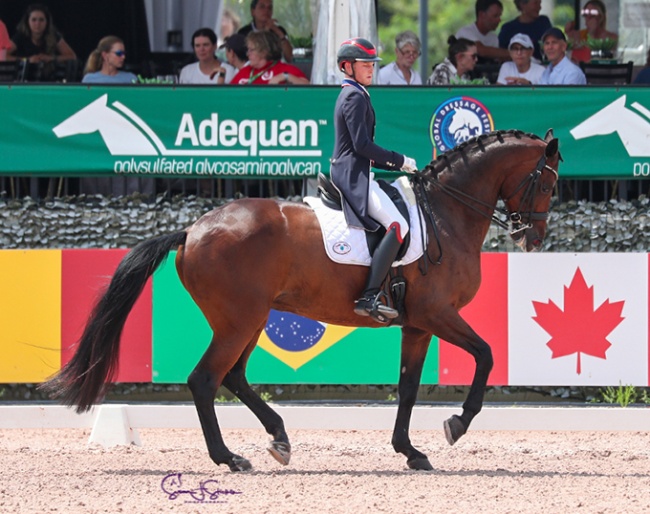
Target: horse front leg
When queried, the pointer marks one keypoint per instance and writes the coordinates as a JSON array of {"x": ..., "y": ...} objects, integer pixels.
[
  {"x": 457, "y": 332},
  {"x": 415, "y": 344}
]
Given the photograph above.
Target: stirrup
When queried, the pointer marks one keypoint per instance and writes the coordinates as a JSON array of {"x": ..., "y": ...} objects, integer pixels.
[{"x": 373, "y": 307}]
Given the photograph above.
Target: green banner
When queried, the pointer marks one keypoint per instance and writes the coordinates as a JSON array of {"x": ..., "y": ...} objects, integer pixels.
[
  {"x": 251, "y": 131},
  {"x": 315, "y": 354}
]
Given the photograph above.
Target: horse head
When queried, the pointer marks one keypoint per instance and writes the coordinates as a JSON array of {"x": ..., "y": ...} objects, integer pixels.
[{"x": 527, "y": 195}]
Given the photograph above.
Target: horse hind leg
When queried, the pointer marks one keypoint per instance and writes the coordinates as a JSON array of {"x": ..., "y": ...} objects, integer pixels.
[
  {"x": 235, "y": 381},
  {"x": 204, "y": 381}
]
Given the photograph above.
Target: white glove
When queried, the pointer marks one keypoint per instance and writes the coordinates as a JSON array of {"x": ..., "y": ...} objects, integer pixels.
[{"x": 409, "y": 165}]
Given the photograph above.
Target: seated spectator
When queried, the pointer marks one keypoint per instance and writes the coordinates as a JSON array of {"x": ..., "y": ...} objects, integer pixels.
[
  {"x": 521, "y": 70},
  {"x": 38, "y": 41},
  {"x": 529, "y": 22},
  {"x": 206, "y": 69},
  {"x": 595, "y": 15},
  {"x": 401, "y": 72},
  {"x": 230, "y": 24},
  {"x": 104, "y": 63},
  {"x": 455, "y": 69},
  {"x": 488, "y": 17},
  {"x": 5, "y": 42},
  {"x": 560, "y": 70},
  {"x": 235, "y": 51},
  {"x": 262, "y": 14},
  {"x": 264, "y": 62},
  {"x": 644, "y": 75}
]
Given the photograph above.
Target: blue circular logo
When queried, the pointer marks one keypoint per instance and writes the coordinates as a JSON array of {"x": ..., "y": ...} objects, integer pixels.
[
  {"x": 456, "y": 120},
  {"x": 341, "y": 247},
  {"x": 293, "y": 333}
]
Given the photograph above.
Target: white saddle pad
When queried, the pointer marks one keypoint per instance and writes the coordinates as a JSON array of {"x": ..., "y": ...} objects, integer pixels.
[{"x": 347, "y": 245}]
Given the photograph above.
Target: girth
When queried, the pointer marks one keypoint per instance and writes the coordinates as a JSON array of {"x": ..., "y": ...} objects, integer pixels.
[{"x": 331, "y": 197}]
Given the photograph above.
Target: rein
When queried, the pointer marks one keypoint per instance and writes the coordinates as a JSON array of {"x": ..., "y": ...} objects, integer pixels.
[{"x": 515, "y": 221}]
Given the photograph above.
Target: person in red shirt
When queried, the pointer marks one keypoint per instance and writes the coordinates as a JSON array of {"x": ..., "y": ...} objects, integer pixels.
[
  {"x": 264, "y": 63},
  {"x": 5, "y": 42}
]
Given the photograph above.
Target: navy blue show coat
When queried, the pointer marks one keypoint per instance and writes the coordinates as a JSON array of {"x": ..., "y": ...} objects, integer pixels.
[{"x": 354, "y": 149}]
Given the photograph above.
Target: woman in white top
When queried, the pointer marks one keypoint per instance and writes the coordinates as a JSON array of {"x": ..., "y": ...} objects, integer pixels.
[
  {"x": 401, "y": 72},
  {"x": 522, "y": 70},
  {"x": 206, "y": 69}
]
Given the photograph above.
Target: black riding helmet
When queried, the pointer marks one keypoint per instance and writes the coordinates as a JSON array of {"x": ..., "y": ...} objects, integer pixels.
[{"x": 356, "y": 49}]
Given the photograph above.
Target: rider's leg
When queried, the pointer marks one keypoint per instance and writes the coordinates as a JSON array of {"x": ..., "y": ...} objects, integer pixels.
[{"x": 381, "y": 208}]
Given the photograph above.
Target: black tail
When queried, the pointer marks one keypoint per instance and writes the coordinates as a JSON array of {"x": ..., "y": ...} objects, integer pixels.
[{"x": 83, "y": 380}]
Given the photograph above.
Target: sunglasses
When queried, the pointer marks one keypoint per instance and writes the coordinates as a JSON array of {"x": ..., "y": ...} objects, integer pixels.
[
  {"x": 517, "y": 49},
  {"x": 590, "y": 12},
  {"x": 473, "y": 56},
  {"x": 120, "y": 53}
]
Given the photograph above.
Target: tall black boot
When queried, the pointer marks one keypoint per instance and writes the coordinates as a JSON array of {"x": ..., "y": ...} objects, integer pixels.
[{"x": 369, "y": 304}]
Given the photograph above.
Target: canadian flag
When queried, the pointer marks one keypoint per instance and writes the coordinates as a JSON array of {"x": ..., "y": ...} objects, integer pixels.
[{"x": 578, "y": 319}]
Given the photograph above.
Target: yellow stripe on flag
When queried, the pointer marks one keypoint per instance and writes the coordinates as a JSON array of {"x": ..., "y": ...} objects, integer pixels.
[{"x": 30, "y": 314}]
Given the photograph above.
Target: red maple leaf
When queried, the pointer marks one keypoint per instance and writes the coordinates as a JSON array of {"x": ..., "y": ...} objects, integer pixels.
[{"x": 579, "y": 328}]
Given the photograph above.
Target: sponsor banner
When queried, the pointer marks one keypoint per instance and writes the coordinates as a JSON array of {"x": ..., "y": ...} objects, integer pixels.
[
  {"x": 578, "y": 319},
  {"x": 84, "y": 276},
  {"x": 288, "y": 132},
  {"x": 30, "y": 314},
  {"x": 291, "y": 350}
]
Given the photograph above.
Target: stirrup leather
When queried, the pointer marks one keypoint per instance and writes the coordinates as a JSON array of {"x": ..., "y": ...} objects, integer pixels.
[{"x": 373, "y": 307}]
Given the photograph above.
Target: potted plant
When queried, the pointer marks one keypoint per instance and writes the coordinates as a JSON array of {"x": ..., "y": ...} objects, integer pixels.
[
  {"x": 303, "y": 47},
  {"x": 602, "y": 48}
]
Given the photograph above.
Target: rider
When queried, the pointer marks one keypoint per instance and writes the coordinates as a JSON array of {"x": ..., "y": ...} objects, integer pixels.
[{"x": 365, "y": 204}]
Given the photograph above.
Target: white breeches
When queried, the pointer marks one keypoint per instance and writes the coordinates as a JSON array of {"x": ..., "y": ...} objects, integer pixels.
[{"x": 382, "y": 209}]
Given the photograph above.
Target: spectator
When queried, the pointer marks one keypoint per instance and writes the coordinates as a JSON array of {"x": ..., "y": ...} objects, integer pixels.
[
  {"x": 104, "y": 63},
  {"x": 595, "y": 15},
  {"x": 644, "y": 75},
  {"x": 5, "y": 42},
  {"x": 528, "y": 22},
  {"x": 560, "y": 70},
  {"x": 38, "y": 41},
  {"x": 230, "y": 24},
  {"x": 401, "y": 72},
  {"x": 455, "y": 68},
  {"x": 262, "y": 14},
  {"x": 207, "y": 67},
  {"x": 264, "y": 62},
  {"x": 235, "y": 51},
  {"x": 521, "y": 70},
  {"x": 482, "y": 31}
]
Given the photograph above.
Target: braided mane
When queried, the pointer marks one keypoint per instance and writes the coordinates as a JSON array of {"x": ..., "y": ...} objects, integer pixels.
[{"x": 481, "y": 140}]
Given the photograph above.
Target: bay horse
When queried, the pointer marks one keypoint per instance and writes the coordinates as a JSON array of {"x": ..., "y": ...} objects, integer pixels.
[{"x": 249, "y": 256}]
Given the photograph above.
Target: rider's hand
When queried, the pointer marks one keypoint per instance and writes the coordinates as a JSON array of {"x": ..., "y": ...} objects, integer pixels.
[{"x": 409, "y": 165}]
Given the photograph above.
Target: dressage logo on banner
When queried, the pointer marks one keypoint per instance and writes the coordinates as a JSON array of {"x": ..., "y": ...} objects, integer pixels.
[{"x": 457, "y": 120}]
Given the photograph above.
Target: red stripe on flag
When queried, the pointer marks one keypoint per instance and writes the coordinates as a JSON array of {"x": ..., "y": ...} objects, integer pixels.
[
  {"x": 84, "y": 276},
  {"x": 487, "y": 314}
]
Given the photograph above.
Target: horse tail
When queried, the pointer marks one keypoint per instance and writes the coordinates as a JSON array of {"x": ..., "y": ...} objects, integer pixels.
[{"x": 84, "y": 379}]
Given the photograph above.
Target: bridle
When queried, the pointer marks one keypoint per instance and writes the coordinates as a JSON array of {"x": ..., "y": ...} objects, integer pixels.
[{"x": 515, "y": 221}]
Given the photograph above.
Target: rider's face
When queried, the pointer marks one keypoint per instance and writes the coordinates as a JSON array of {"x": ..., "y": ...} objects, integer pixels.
[{"x": 363, "y": 72}]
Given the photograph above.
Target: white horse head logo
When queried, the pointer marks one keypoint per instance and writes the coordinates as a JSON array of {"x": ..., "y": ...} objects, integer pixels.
[
  {"x": 632, "y": 128},
  {"x": 121, "y": 136},
  {"x": 464, "y": 125}
]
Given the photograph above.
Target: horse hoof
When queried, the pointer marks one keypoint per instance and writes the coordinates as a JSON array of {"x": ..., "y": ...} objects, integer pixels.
[
  {"x": 238, "y": 463},
  {"x": 454, "y": 429},
  {"x": 281, "y": 452},
  {"x": 420, "y": 464}
]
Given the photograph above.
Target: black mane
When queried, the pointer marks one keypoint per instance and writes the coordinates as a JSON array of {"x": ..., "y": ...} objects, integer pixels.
[{"x": 480, "y": 141}]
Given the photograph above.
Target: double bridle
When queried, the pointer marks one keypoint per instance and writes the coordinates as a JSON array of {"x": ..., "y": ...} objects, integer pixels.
[{"x": 515, "y": 222}]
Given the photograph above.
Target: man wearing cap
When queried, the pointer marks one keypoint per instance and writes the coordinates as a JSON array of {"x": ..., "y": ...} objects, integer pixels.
[
  {"x": 560, "y": 71},
  {"x": 482, "y": 31},
  {"x": 522, "y": 70}
]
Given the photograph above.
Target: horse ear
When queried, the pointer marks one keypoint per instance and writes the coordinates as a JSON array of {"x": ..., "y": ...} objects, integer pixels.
[
  {"x": 549, "y": 135},
  {"x": 552, "y": 147}
]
